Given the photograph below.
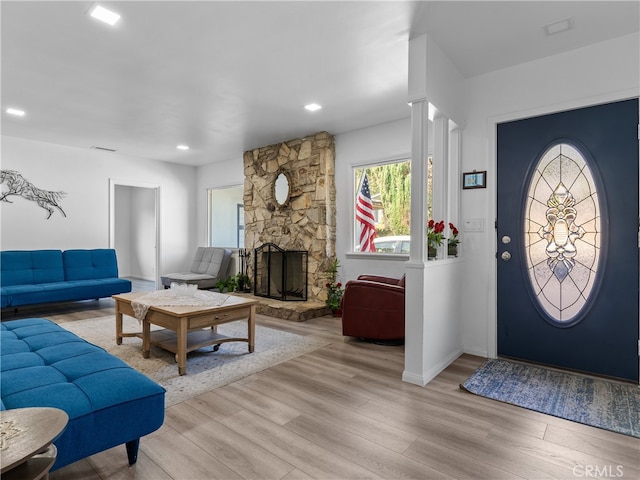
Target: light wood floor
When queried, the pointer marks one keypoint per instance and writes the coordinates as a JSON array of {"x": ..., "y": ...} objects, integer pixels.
[{"x": 342, "y": 412}]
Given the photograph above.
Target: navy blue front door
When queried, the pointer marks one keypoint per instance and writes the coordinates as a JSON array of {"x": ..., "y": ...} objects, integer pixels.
[{"x": 567, "y": 232}]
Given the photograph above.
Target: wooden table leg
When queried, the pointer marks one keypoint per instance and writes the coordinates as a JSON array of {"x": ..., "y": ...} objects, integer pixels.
[
  {"x": 118, "y": 324},
  {"x": 146, "y": 338},
  {"x": 182, "y": 345},
  {"x": 251, "y": 325}
]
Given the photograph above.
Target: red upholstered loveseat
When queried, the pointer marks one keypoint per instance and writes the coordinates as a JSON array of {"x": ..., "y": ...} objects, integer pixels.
[{"x": 373, "y": 308}]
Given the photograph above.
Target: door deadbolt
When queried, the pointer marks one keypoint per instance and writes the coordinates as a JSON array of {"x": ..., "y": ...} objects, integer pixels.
[{"x": 506, "y": 256}]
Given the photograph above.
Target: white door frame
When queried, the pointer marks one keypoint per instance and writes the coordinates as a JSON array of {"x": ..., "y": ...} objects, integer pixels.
[{"x": 113, "y": 182}]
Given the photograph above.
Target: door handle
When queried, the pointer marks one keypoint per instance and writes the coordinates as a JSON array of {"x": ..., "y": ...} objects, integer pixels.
[{"x": 506, "y": 256}]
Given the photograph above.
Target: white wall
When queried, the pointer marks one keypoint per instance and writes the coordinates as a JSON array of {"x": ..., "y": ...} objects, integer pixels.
[
  {"x": 378, "y": 143},
  {"x": 84, "y": 175},
  {"x": 226, "y": 173},
  {"x": 599, "y": 73}
]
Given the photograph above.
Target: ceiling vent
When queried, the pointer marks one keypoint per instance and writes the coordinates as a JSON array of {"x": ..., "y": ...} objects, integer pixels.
[
  {"x": 558, "y": 27},
  {"x": 95, "y": 147}
]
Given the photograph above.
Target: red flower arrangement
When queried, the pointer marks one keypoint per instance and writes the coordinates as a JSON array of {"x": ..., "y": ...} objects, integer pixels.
[
  {"x": 453, "y": 239},
  {"x": 435, "y": 233}
]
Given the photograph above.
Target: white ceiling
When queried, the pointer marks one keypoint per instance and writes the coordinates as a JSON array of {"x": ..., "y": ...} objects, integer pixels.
[{"x": 226, "y": 77}]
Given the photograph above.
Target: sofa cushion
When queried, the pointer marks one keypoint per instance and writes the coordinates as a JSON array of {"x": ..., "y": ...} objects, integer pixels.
[
  {"x": 211, "y": 261},
  {"x": 26, "y": 267},
  {"x": 17, "y": 295},
  {"x": 189, "y": 277},
  {"x": 90, "y": 264}
]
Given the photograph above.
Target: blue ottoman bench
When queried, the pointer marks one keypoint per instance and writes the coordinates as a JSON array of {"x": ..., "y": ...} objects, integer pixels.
[{"x": 108, "y": 402}]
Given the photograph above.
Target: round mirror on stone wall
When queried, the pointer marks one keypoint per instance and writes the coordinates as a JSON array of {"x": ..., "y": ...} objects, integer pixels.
[{"x": 281, "y": 189}]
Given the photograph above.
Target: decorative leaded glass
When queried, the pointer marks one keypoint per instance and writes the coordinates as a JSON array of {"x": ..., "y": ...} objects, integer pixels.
[{"x": 562, "y": 232}]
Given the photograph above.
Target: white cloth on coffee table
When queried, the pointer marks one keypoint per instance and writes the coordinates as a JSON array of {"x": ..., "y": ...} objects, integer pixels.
[{"x": 174, "y": 297}]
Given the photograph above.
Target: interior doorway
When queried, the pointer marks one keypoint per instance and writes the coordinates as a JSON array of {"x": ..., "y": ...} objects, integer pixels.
[{"x": 134, "y": 228}]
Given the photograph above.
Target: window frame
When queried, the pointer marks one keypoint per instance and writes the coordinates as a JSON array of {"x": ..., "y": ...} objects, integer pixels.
[
  {"x": 234, "y": 227},
  {"x": 405, "y": 157},
  {"x": 445, "y": 174}
]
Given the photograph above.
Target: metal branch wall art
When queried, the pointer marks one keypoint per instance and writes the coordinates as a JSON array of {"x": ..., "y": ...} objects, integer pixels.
[{"x": 18, "y": 185}]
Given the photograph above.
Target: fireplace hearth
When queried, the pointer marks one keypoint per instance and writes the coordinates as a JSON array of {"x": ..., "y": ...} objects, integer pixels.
[{"x": 280, "y": 274}]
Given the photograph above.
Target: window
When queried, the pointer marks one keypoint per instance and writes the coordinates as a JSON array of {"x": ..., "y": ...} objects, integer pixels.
[
  {"x": 226, "y": 218},
  {"x": 389, "y": 187},
  {"x": 240, "y": 224},
  {"x": 383, "y": 197},
  {"x": 429, "y": 188},
  {"x": 399, "y": 244},
  {"x": 562, "y": 232}
]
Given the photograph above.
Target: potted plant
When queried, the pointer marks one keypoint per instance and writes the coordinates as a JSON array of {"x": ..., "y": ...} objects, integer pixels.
[
  {"x": 334, "y": 288},
  {"x": 227, "y": 285},
  {"x": 453, "y": 241},
  {"x": 435, "y": 236}
]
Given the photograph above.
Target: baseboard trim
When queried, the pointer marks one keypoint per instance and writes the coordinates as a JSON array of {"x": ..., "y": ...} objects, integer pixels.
[{"x": 430, "y": 374}]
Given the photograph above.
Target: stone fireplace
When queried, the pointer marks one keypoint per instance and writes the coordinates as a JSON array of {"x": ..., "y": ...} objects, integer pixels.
[{"x": 306, "y": 221}]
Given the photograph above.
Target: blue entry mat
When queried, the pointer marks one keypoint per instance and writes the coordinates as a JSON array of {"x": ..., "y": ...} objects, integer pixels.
[{"x": 602, "y": 403}]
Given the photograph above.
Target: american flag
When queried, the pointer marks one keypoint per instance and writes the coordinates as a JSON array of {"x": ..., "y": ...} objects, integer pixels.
[{"x": 364, "y": 216}]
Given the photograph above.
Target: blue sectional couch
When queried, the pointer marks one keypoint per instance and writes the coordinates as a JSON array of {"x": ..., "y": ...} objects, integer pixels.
[
  {"x": 108, "y": 402},
  {"x": 30, "y": 277}
]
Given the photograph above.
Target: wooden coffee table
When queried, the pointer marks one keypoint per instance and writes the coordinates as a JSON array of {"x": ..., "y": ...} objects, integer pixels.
[{"x": 186, "y": 328}]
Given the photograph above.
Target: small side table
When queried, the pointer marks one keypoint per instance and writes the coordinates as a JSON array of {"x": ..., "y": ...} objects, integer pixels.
[{"x": 26, "y": 436}]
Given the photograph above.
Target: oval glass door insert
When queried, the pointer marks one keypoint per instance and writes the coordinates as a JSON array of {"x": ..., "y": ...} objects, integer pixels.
[{"x": 562, "y": 233}]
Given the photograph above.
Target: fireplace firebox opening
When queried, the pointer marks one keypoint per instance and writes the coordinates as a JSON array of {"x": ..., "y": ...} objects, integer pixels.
[{"x": 280, "y": 274}]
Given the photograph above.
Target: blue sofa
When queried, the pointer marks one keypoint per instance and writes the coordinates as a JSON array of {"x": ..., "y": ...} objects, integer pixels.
[
  {"x": 30, "y": 277},
  {"x": 108, "y": 402}
]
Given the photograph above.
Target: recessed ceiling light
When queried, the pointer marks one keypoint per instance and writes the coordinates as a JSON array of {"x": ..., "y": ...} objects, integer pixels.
[
  {"x": 558, "y": 27},
  {"x": 183, "y": 147},
  {"x": 104, "y": 15},
  {"x": 312, "y": 107},
  {"x": 15, "y": 111}
]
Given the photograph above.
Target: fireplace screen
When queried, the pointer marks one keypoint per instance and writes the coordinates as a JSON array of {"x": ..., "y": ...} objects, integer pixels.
[{"x": 280, "y": 274}]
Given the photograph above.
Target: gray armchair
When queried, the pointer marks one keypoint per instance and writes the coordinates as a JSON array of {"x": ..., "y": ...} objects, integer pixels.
[{"x": 209, "y": 265}]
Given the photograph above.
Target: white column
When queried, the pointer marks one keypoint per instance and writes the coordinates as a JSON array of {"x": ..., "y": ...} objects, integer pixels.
[
  {"x": 415, "y": 301},
  {"x": 419, "y": 124},
  {"x": 414, "y": 354},
  {"x": 440, "y": 183},
  {"x": 454, "y": 174}
]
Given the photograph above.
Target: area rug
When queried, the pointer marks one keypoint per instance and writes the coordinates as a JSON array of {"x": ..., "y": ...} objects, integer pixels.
[
  {"x": 206, "y": 369},
  {"x": 609, "y": 405}
]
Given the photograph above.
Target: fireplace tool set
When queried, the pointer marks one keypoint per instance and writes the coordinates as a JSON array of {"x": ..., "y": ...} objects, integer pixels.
[{"x": 244, "y": 284}]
